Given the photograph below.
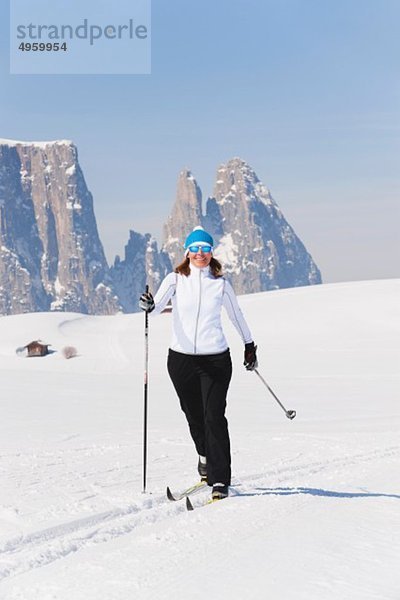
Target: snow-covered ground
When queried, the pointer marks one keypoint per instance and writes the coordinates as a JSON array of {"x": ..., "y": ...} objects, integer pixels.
[{"x": 315, "y": 505}]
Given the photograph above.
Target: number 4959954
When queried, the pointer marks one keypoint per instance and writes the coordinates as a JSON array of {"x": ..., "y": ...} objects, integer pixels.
[{"x": 42, "y": 46}]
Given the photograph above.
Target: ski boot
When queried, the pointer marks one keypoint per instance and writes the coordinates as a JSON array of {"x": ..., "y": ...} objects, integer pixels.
[{"x": 219, "y": 491}]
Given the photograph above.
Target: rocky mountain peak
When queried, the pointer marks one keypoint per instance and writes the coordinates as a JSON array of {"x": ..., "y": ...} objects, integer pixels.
[
  {"x": 236, "y": 179},
  {"x": 258, "y": 248},
  {"x": 51, "y": 256},
  {"x": 187, "y": 209},
  {"x": 143, "y": 265}
]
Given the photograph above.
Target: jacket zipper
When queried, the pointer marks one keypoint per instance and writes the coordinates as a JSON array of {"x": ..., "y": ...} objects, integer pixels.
[{"x": 198, "y": 315}]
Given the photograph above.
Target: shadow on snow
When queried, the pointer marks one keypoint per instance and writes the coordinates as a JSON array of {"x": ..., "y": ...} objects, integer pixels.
[{"x": 281, "y": 491}]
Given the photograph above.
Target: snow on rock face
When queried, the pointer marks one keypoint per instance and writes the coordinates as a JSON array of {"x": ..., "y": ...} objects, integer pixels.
[
  {"x": 49, "y": 233},
  {"x": 264, "y": 251},
  {"x": 227, "y": 253},
  {"x": 13, "y": 143}
]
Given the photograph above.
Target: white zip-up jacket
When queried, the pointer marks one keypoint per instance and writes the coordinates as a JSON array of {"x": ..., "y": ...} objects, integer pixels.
[{"x": 197, "y": 301}]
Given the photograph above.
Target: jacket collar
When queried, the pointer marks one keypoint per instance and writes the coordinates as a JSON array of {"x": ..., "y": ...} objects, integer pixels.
[{"x": 203, "y": 270}]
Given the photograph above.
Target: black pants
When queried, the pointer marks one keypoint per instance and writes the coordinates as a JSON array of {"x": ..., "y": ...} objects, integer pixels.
[{"x": 201, "y": 382}]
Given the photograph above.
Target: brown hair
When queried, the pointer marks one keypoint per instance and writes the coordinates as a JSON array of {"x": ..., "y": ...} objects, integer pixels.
[{"x": 184, "y": 268}]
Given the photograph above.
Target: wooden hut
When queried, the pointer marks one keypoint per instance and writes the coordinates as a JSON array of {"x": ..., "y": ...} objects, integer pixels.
[{"x": 37, "y": 348}]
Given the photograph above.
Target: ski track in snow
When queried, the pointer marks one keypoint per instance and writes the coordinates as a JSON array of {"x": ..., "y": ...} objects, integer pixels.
[
  {"x": 39, "y": 548},
  {"x": 48, "y": 545}
]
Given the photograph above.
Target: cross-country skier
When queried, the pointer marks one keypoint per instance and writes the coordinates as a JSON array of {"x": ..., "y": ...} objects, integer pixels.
[{"x": 199, "y": 361}]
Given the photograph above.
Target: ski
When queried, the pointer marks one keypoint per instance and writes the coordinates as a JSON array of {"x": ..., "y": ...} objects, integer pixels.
[
  {"x": 200, "y": 485},
  {"x": 189, "y": 505}
]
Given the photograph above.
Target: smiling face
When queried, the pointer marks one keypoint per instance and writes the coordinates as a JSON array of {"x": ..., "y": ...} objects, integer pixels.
[{"x": 200, "y": 259}]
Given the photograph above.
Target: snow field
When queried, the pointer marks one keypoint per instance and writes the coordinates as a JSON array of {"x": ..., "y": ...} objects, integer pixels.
[{"x": 314, "y": 508}]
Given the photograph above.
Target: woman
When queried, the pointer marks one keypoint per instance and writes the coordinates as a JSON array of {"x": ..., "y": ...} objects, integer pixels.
[{"x": 199, "y": 361}]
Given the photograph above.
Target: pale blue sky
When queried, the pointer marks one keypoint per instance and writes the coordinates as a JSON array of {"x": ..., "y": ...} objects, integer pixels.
[{"x": 306, "y": 91}]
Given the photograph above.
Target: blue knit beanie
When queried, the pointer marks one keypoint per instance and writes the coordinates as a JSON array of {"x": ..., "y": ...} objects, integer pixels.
[{"x": 198, "y": 236}]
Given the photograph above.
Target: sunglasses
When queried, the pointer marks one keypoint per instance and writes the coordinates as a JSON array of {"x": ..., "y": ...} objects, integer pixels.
[{"x": 205, "y": 249}]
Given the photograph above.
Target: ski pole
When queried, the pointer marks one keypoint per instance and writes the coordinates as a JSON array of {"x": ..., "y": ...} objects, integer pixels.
[
  {"x": 289, "y": 413},
  {"x": 146, "y": 366}
]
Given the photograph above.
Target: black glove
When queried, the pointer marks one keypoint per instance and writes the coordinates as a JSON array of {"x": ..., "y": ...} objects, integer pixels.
[
  {"x": 250, "y": 356},
  {"x": 146, "y": 302}
]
